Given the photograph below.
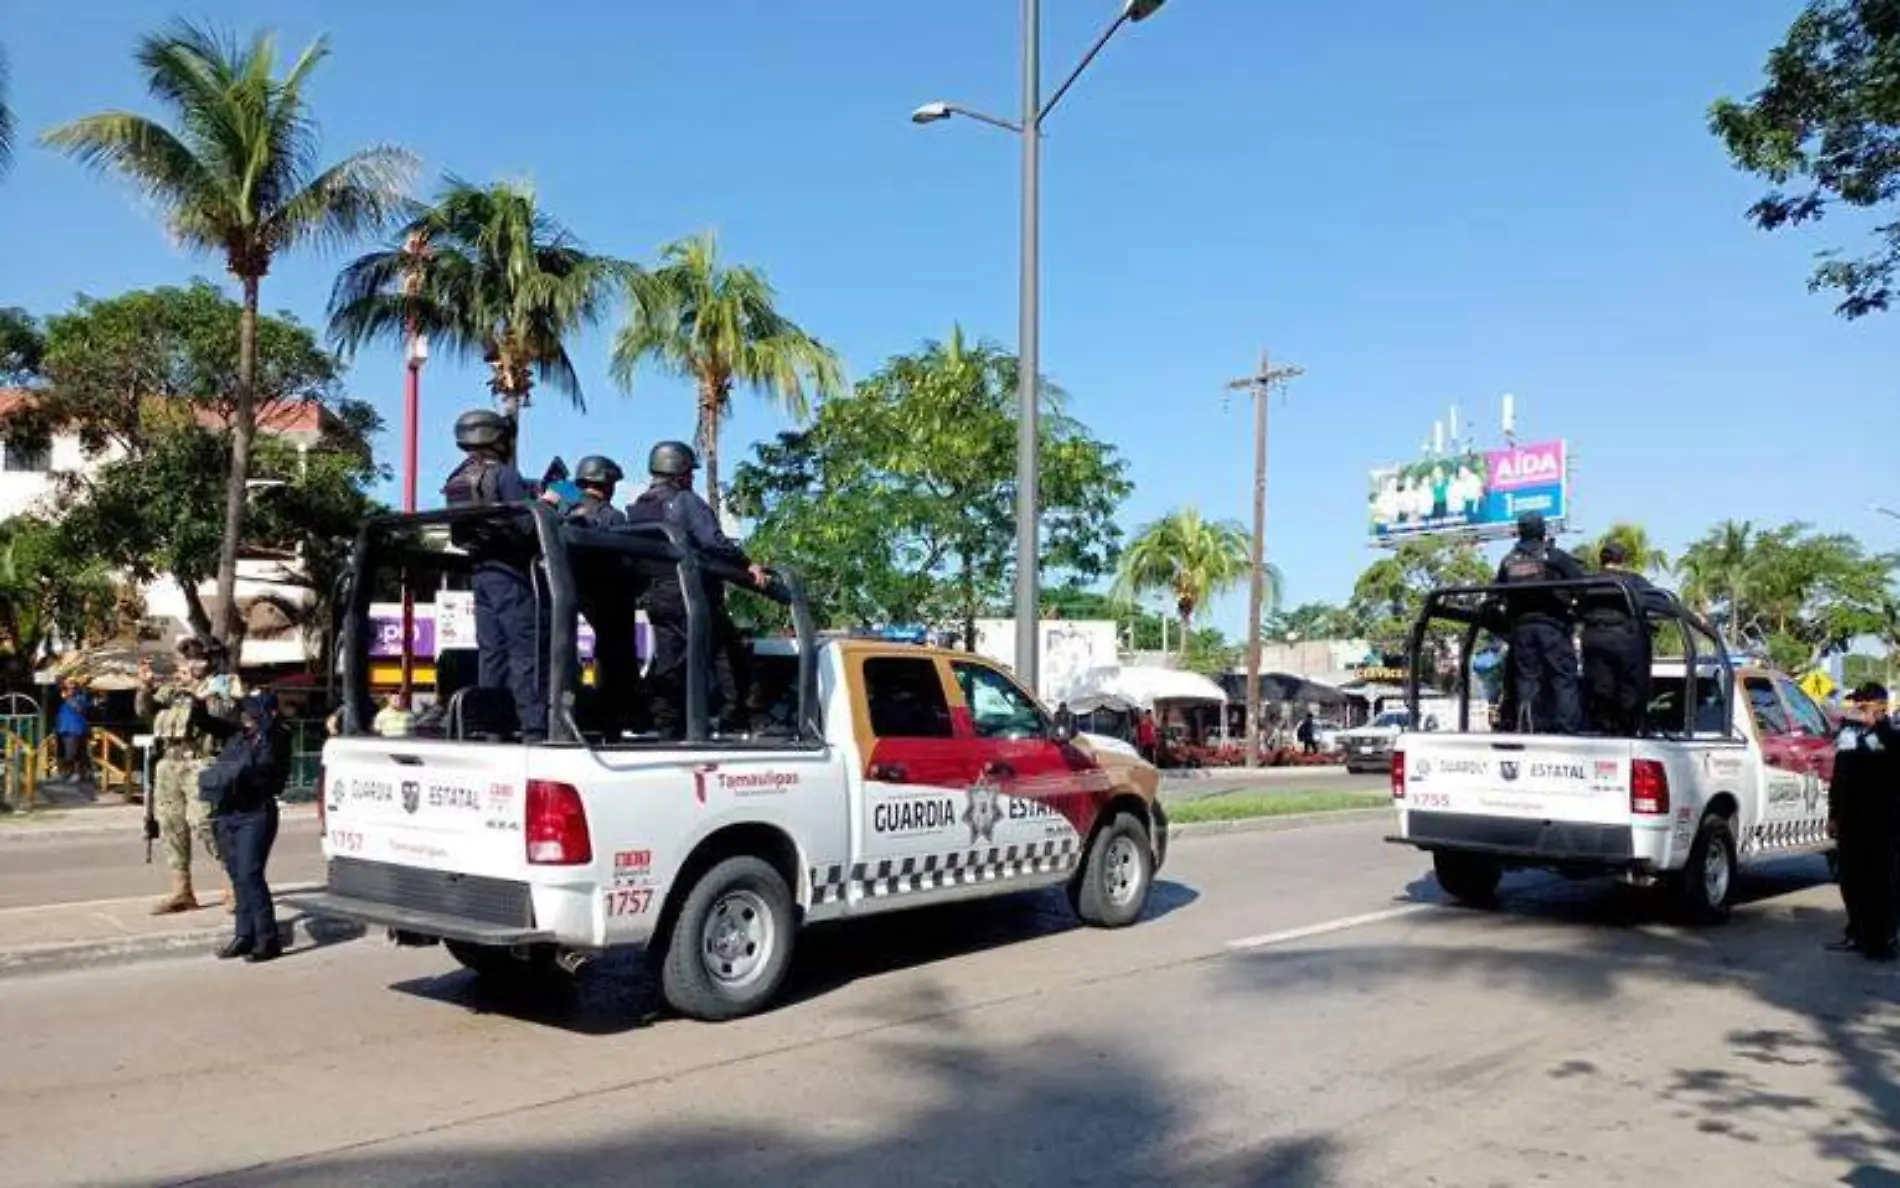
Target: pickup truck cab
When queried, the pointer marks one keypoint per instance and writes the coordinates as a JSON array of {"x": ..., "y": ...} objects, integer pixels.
[
  {"x": 874, "y": 777},
  {"x": 1731, "y": 766}
]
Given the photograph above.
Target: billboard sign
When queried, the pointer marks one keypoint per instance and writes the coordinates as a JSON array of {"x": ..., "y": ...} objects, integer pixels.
[{"x": 1476, "y": 493}]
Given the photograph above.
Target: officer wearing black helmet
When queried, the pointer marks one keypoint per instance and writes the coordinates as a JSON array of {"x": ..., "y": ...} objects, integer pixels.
[
  {"x": 1543, "y": 658},
  {"x": 1863, "y": 817},
  {"x": 1616, "y": 653},
  {"x": 510, "y": 631},
  {"x": 596, "y": 477},
  {"x": 671, "y": 499}
]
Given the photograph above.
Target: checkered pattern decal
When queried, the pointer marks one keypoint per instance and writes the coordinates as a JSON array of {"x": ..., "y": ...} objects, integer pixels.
[
  {"x": 931, "y": 872},
  {"x": 1787, "y": 835}
]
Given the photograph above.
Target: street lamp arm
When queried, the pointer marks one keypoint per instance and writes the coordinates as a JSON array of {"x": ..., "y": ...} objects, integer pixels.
[
  {"x": 1068, "y": 82},
  {"x": 984, "y": 117}
]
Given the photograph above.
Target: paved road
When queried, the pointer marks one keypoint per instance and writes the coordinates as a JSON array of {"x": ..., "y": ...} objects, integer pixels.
[
  {"x": 74, "y": 868},
  {"x": 1297, "y": 1011}
]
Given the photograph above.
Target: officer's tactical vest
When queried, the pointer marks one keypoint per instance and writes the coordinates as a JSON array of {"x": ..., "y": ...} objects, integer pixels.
[{"x": 1526, "y": 565}]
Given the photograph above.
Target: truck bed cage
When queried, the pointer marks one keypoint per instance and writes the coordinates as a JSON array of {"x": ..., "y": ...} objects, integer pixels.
[
  {"x": 1483, "y": 607},
  {"x": 400, "y": 541}
]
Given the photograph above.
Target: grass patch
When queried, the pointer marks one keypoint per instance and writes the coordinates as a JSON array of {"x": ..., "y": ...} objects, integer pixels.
[{"x": 1247, "y": 805}]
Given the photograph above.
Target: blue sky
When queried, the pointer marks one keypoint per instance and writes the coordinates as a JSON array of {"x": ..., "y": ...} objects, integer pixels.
[{"x": 1423, "y": 205}]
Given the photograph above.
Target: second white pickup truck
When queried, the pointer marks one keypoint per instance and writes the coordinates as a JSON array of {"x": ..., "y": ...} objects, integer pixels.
[{"x": 1735, "y": 769}]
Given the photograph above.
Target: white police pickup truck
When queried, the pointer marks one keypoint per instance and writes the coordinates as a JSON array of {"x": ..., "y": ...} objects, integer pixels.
[
  {"x": 1732, "y": 770},
  {"x": 872, "y": 777}
]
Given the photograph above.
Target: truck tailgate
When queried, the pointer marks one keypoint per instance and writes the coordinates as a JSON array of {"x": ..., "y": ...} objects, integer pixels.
[
  {"x": 1526, "y": 777},
  {"x": 422, "y": 803}
]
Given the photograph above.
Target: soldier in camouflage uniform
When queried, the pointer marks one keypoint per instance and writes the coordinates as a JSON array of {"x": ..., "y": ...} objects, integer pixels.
[{"x": 191, "y": 714}]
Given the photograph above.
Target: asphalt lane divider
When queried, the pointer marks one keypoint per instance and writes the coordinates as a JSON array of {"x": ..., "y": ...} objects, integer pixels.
[{"x": 1324, "y": 927}]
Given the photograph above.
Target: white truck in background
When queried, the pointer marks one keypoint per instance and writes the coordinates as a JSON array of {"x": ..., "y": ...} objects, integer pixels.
[{"x": 1729, "y": 767}]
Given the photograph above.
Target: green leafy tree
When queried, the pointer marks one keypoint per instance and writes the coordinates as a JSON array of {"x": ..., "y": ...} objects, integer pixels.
[
  {"x": 898, "y": 502},
  {"x": 238, "y": 177},
  {"x": 50, "y": 594},
  {"x": 1715, "y": 570},
  {"x": 492, "y": 276},
  {"x": 721, "y": 328},
  {"x": 1208, "y": 652},
  {"x": 1311, "y": 620},
  {"x": 146, "y": 382},
  {"x": 1390, "y": 594},
  {"x": 1825, "y": 131},
  {"x": 22, "y": 346},
  {"x": 1138, "y": 627},
  {"x": 1186, "y": 557},
  {"x": 1644, "y": 557}
]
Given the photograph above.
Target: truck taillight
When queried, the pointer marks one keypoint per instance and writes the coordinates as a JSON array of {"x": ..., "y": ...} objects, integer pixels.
[
  {"x": 556, "y": 828},
  {"x": 1649, "y": 788},
  {"x": 323, "y": 812},
  {"x": 1398, "y": 775}
]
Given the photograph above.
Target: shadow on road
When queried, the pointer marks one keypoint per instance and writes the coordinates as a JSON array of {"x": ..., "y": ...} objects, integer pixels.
[
  {"x": 1064, "y": 1111},
  {"x": 1838, "y": 1012},
  {"x": 617, "y": 994}
]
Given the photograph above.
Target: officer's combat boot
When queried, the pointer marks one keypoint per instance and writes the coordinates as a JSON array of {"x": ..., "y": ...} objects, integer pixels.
[{"x": 180, "y": 900}]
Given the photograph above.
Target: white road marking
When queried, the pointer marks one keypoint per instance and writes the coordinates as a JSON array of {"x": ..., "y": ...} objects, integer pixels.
[{"x": 1321, "y": 929}]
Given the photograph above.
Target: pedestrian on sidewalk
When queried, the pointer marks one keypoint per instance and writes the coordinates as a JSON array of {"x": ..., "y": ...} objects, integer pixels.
[
  {"x": 240, "y": 792},
  {"x": 192, "y": 713},
  {"x": 1863, "y": 816},
  {"x": 1309, "y": 734},
  {"x": 1147, "y": 738},
  {"x": 73, "y": 725}
]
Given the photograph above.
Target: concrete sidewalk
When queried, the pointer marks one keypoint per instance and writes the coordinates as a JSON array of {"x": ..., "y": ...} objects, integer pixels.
[{"x": 122, "y": 819}]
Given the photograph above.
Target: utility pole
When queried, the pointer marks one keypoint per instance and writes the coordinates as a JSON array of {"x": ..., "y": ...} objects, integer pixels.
[{"x": 1261, "y": 385}]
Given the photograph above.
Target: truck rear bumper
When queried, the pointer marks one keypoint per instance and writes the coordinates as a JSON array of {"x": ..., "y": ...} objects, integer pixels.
[
  {"x": 1526, "y": 842},
  {"x": 425, "y": 923}
]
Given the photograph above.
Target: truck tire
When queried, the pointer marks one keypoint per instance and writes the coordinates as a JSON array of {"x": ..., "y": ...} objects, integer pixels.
[
  {"x": 731, "y": 945},
  {"x": 503, "y": 967},
  {"x": 1468, "y": 878},
  {"x": 1112, "y": 887},
  {"x": 1706, "y": 885}
]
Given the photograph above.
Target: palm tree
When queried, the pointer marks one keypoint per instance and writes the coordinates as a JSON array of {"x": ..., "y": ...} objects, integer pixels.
[
  {"x": 489, "y": 273},
  {"x": 1644, "y": 557},
  {"x": 6, "y": 119},
  {"x": 720, "y": 328},
  {"x": 1189, "y": 557},
  {"x": 239, "y": 178},
  {"x": 1716, "y": 567}
]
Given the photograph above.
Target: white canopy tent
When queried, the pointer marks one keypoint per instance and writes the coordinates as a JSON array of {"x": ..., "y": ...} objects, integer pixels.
[{"x": 1124, "y": 687}]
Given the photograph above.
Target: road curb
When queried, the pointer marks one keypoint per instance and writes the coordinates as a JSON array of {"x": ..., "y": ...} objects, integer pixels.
[
  {"x": 132, "y": 828},
  {"x": 1273, "y": 824},
  {"x": 57, "y": 956}
]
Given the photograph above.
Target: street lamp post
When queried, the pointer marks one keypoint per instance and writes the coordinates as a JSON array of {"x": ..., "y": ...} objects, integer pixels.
[
  {"x": 418, "y": 354},
  {"x": 1028, "y": 477}
]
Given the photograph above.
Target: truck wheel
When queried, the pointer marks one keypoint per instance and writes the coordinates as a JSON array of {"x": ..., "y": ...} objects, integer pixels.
[
  {"x": 1706, "y": 883},
  {"x": 1111, "y": 889},
  {"x": 731, "y": 946},
  {"x": 1468, "y": 878},
  {"x": 503, "y": 967}
]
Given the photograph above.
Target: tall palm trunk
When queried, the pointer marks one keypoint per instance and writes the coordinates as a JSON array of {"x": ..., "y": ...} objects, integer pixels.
[
  {"x": 1185, "y": 609},
  {"x": 243, "y": 432},
  {"x": 707, "y": 431}
]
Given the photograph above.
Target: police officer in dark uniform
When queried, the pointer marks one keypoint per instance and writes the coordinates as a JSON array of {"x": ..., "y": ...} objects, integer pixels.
[
  {"x": 1863, "y": 816},
  {"x": 671, "y": 499},
  {"x": 510, "y": 632},
  {"x": 1616, "y": 646},
  {"x": 1543, "y": 659},
  {"x": 596, "y": 477}
]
